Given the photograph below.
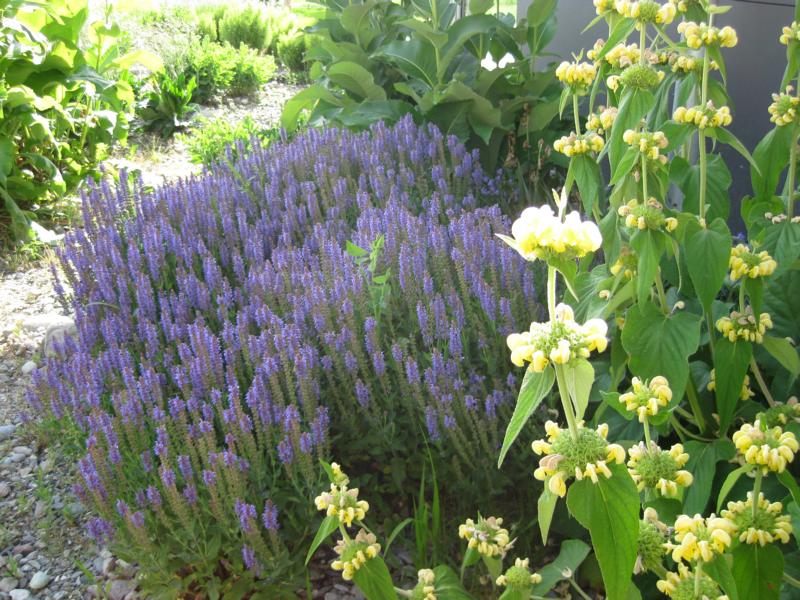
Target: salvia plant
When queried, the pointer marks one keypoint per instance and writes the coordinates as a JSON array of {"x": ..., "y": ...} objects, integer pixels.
[
  {"x": 233, "y": 327},
  {"x": 670, "y": 356}
]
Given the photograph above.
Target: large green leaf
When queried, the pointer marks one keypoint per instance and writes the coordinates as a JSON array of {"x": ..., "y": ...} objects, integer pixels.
[
  {"x": 447, "y": 585},
  {"x": 771, "y": 155},
  {"x": 579, "y": 376},
  {"x": 709, "y": 250},
  {"x": 539, "y": 11},
  {"x": 415, "y": 58},
  {"x": 660, "y": 344},
  {"x": 436, "y": 38},
  {"x": 703, "y": 459},
  {"x": 782, "y": 241},
  {"x": 586, "y": 172},
  {"x": 374, "y": 580},
  {"x": 609, "y": 509},
  {"x": 719, "y": 569},
  {"x": 535, "y": 386},
  {"x": 784, "y": 352},
  {"x": 326, "y": 528},
  {"x": 356, "y": 79},
  {"x": 649, "y": 246},
  {"x": 545, "y": 507},
  {"x": 731, "y": 361},
  {"x": 305, "y": 100},
  {"x": 758, "y": 571},
  {"x": 459, "y": 34}
]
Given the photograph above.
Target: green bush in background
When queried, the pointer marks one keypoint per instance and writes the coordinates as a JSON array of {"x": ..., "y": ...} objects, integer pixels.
[{"x": 62, "y": 105}]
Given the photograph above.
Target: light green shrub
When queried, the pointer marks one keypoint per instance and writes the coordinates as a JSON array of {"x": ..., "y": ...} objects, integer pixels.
[
  {"x": 251, "y": 71},
  {"x": 222, "y": 69},
  {"x": 247, "y": 26}
]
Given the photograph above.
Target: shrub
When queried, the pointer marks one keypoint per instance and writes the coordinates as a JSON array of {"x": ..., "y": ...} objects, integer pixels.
[
  {"x": 208, "y": 20},
  {"x": 229, "y": 332},
  {"x": 245, "y": 26},
  {"x": 290, "y": 49},
  {"x": 218, "y": 140},
  {"x": 221, "y": 69},
  {"x": 167, "y": 106}
]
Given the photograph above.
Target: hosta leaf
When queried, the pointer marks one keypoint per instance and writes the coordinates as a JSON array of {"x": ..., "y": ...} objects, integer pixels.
[
  {"x": 609, "y": 509},
  {"x": 356, "y": 79},
  {"x": 535, "y": 386}
]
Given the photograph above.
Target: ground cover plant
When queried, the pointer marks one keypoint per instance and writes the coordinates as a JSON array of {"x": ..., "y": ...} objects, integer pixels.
[
  {"x": 62, "y": 105},
  {"x": 232, "y": 328},
  {"x": 672, "y": 360}
]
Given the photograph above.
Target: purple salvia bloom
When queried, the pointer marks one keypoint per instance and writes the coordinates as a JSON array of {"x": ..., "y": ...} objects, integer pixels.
[{"x": 270, "y": 516}]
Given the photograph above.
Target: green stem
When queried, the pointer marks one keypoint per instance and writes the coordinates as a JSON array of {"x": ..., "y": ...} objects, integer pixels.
[
  {"x": 647, "y": 440},
  {"x": 645, "y": 197},
  {"x": 551, "y": 292},
  {"x": 761, "y": 383},
  {"x": 757, "y": 491},
  {"x": 343, "y": 531},
  {"x": 790, "y": 177},
  {"x": 694, "y": 403},
  {"x": 741, "y": 296},
  {"x": 576, "y": 113},
  {"x": 566, "y": 403},
  {"x": 578, "y": 589},
  {"x": 404, "y": 593},
  {"x": 791, "y": 580},
  {"x": 698, "y": 577},
  {"x": 662, "y": 295},
  {"x": 701, "y": 150},
  {"x": 642, "y": 43}
]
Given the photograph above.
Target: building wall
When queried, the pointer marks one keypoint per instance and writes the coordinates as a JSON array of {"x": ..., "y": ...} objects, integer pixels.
[{"x": 755, "y": 65}]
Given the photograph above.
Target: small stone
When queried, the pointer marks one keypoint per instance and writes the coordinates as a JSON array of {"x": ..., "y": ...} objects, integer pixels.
[
  {"x": 24, "y": 450},
  {"x": 23, "y": 549},
  {"x": 28, "y": 368},
  {"x": 108, "y": 565},
  {"x": 121, "y": 588},
  {"x": 39, "y": 581},
  {"x": 6, "y": 431},
  {"x": 19, "y": 594},
  {"x": 8, "y": 583},
  {"x": 74, "y": 509},
  {"x": 5, "y": 490},
  {"x": 56, "y": 334},
  {"x": 40, "y": 510}
]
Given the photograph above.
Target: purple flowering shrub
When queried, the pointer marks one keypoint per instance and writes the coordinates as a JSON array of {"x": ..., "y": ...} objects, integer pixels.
[{"x": 228, "y": 338}]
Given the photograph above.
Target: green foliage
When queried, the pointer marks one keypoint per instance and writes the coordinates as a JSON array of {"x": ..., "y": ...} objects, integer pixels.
[
  {"x": 168, "y": 106},
  {"x": 291, "y": 49},
  {"x": 378, "y": 60},
  {"x": 222, "y": 69},
  {"x": 62, "y": 105},
  {"x": 245, "y": 26},
  {"x": 211, "y": 141}
]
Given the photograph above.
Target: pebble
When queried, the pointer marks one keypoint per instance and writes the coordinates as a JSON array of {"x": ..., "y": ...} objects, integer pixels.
[
  {"x": 39, "y": 581},
  {"x": 6, "y": 431},
  {"x": 19, "y": 594},
  {"x": 120, "y": 588},
  {"x": 28, "y": 368},
  {"x": 8, "y": 583},
  {"x": 5, "y": 489}
]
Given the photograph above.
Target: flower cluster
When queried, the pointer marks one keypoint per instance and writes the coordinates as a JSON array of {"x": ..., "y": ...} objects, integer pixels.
[
  {"x": 657, "y": 469},
  {"x": 539, "y": 233},
  {"x": 649, "y": 143},
  {"x": 703, "y": 117},
  {"x": 790, "y": 33},
  {"x": 780, "y": 218},
  {"x": 487, "y": 536},
  {"x": 577, "y": 75},
  {"x": 626, "y": 263},
  {"x": 699, "y": 538},
  {"x": 685, "y": 585},
  {"x": 701, "y": 34},
  {"x": 647, "y": 11},
  {"x": 781, "y": 413},
  {"x": 683, "y": 63},
  {"x": 588, "y": 456},
  {"x": 746, "y": 392},
  {"x": 765, "y": 525},
  {"x": 770, "y": 448},
  {"x": 559, "y": 341},
  {"x": 646, "y": 215},
  {"x": 650, "y": 542},
  {"x": 342, "y": 502},
  {"x": 353, "y": 554},
  {"x": 743, "y": 325},
  {"x": 603, "y": 7},
  {"x": 647, "y": 397},
  {"x": 637, "y": 76},
  {"x": 223, "y": 330},
  {"x": 783, "y": 109},
  {"x": 602, "y": 120},
  {"x": 620, "y": 56},
  {"x": 746, "y": 263},
  {"x": 425, "y": 588},
  {"x": 519, "y": 577},
  {"x": 574, "y": 144}
]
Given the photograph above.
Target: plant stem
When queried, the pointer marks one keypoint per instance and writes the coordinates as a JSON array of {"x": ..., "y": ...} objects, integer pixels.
[
  {"x": 647, "y": 440},
  {"x": 791, "y": 580},
  {"x": 790, "y": 177},
  {"x": 576, "y": 113},
  {"x": 694, "y": 403},
  {"x": 642, "y": 43},
  {"x": 578, "y": 589},
  {"x": 662, "y": 295},
  {"x": 645, "y": 197},
  {"x": 701, "y": 136},
  {"x": 756, "y": 491},
  {"x": 551, "y": 292},
  {"x": 403, "y": 593},
  {"x": 566, "y": 403},
  {"x": 761, "y": 383},
  {"x": 698, "y": 575}
]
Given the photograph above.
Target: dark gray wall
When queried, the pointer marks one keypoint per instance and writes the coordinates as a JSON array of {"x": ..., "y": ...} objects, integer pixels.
[{"x": 755, "y": 65}]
